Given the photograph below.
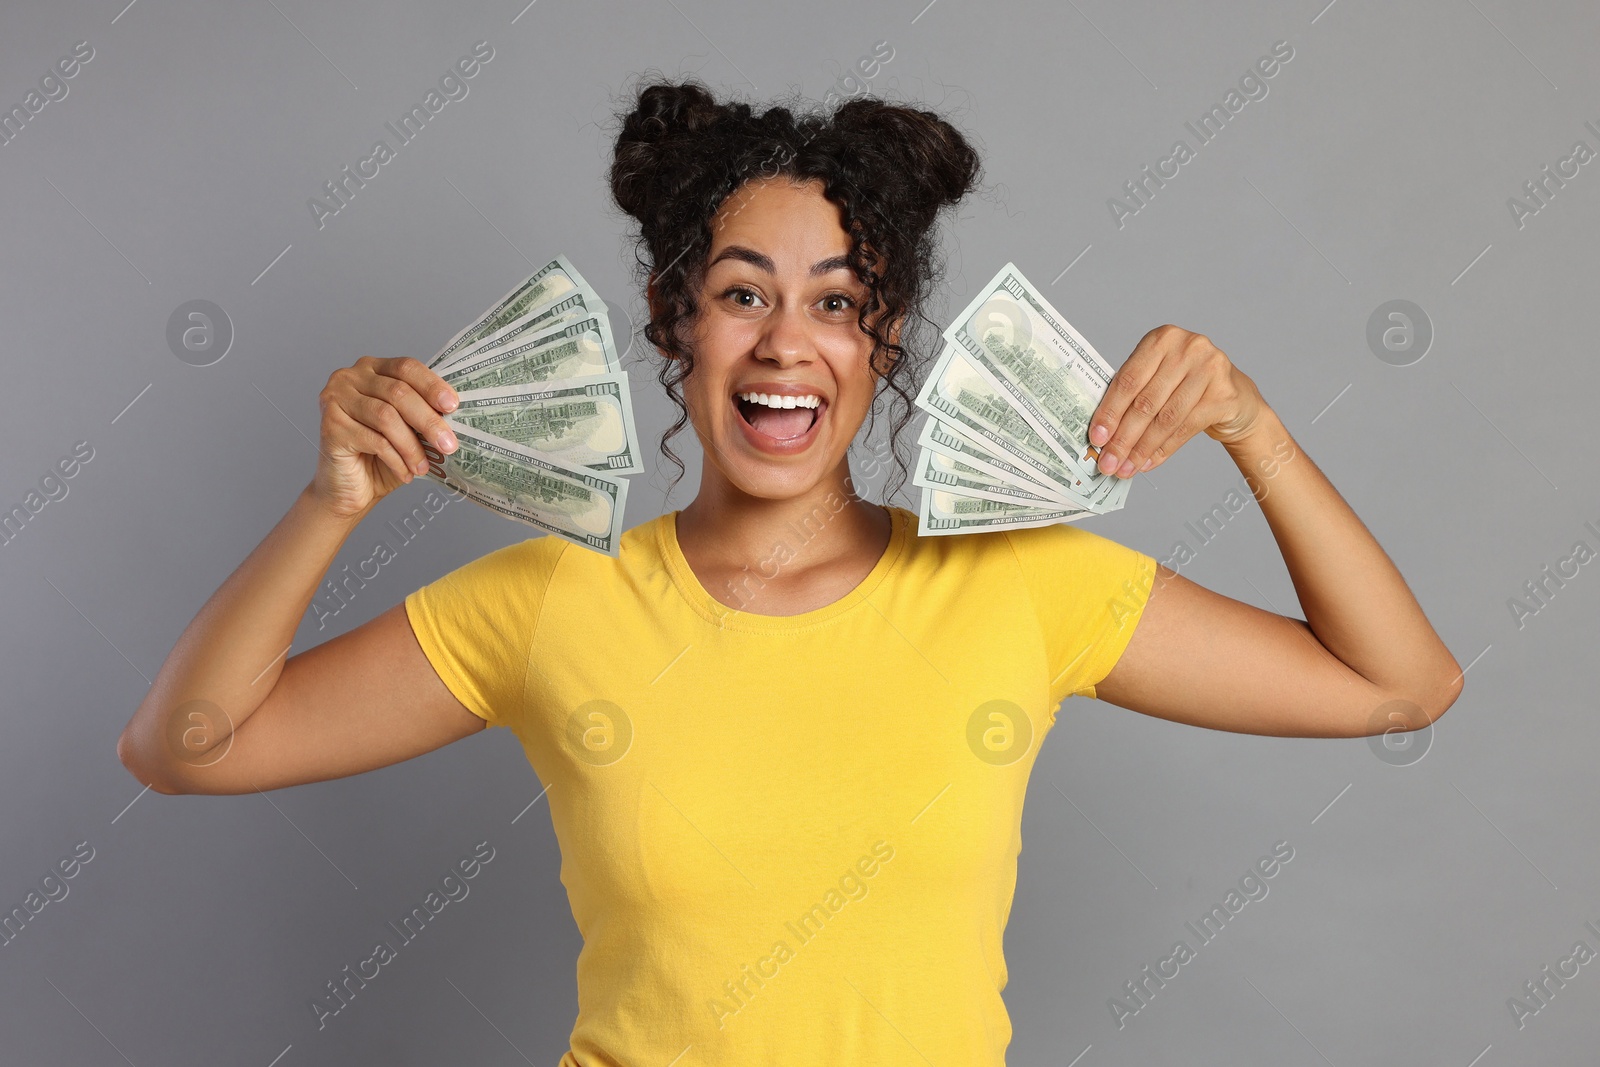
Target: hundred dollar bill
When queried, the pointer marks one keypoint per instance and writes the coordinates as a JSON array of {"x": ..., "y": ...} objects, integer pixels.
[
  {"x": 948, "y": 440},
  {"x": 1050, "y": 374},
  {"x": 956, "y": 393},
  {"x": 1118, "y": 493},
  {"x": 573, "y": 503},
  {"x": 579, "y": 349},
  {"x": 570, "y": 308},
  {"x": 944, "y": 512},
  {"x": 543, "y": 287},
  {"x": 1108, "y": 493},
  {"x": 936, "y": 470},
  {"x": 583, "y": 422}
]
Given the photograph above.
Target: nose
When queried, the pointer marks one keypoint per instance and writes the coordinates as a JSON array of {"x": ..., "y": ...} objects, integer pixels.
[{"x": 785, "y": 340}]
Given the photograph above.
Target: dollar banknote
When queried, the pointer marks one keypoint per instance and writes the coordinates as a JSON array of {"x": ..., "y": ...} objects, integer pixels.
[
  {"x": 584, "y": 422},
  {"x": 574, "y": 503},
  {"x": 1010, "y": 397},
  {"x": 939, "y": 436},
  {"x": 571, "y": 308},
  {"x": 957, "y": 393},
  {"x": 540, "y": 290},
  {"x": 946, "y": 512},
  {"x": 544, "y": 426},
  {"x": 948, "y": 462},
  {"x": 582, "y": 348},
  {"x": 1048, "y": 372}
]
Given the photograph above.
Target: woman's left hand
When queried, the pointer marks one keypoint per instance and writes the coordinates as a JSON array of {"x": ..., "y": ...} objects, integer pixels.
[{"x": 1174, "y": 385}]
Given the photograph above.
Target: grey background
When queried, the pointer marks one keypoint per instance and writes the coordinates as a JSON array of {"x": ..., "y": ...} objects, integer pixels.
[{"x": 1420, "y": 897}]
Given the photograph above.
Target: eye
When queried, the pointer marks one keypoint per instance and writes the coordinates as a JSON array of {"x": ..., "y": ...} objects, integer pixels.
[
  {"x": 737, "y": 295},
  {"x": 836, "y": 303}
]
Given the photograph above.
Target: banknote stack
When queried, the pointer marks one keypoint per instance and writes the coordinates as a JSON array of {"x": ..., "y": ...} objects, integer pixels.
[
  {"x": 545, "y": 424},
  {"x": 1006, "y": 443}
]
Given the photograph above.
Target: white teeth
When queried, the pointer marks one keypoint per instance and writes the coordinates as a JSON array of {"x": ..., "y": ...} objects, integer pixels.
[{"x": 774, "y": 400}]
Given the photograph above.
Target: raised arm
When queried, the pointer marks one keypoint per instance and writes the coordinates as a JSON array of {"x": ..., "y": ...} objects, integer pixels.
[
  {"x": 227, "y": 712},
  {"x": 1364, "y": 661}
]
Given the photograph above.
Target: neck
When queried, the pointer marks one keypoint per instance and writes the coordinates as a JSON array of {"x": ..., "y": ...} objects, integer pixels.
[{"x": 724, "y": 527}]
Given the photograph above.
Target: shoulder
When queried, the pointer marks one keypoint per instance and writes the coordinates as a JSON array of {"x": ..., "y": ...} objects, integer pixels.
[
  {"x": 497, "y": 580},
  {"x": 572, "y": 572},
  {"x": 545, "y": 555},
  {"x": 1046, "y": 556},
  {"x": 982, "y": 559},
  {"x": 1064, "y": 543},
  {"x": 520, "y": 560},
  {"x": 527, "y": 568}
]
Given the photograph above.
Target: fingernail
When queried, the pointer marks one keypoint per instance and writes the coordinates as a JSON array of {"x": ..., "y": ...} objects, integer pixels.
[
  {"x": 1108, "y": 463},
  {"x": 421, "y": 467},
  {"x": 444, "y": 439},
  {"x": 1098, "y": 434},
  {"x": 448, "y": 401},
  {"x": 1146, "y": 464},
  {"x": 1126, "y": 471}
]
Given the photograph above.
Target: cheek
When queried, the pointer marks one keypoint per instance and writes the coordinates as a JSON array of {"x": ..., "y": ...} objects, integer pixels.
[
  {"x": 850, "y": 362},
  {"x": 722, "y": 341},
  {"x": 717, "y": 349},
  {"x": 700, "y": 394}
]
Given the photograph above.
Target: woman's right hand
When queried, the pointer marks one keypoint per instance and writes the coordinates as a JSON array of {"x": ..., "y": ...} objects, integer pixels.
[{"x": 371, "y": 414}]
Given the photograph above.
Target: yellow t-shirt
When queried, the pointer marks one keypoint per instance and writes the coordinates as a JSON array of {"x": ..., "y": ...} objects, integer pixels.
[{"x": 786, "y": 840}]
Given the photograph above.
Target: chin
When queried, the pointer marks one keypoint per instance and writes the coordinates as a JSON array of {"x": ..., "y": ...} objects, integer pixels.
[{"x": 773, "y": 485}]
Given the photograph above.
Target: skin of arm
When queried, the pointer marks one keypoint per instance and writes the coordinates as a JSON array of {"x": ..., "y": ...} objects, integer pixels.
[
  {"x": 1365, "y": 653},
  {"x": 227, "y": 713}
]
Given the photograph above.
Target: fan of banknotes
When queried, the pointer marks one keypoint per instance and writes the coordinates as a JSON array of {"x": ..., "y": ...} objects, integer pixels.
[
  {"x": 1009, "y": 400},
  {"x": 545, "y": 423}
]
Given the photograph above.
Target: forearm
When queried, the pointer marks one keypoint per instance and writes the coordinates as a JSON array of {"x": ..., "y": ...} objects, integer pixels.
[
  {"x": 232, "y": 652},
  {"x": 1354, "y": 599}
]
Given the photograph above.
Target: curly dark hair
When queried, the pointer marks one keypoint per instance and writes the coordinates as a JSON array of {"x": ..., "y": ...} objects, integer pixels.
[{"x": 891, "y": 169}]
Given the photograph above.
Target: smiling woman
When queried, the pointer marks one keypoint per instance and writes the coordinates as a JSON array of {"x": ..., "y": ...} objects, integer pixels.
[{"x": 716, "y": 744}]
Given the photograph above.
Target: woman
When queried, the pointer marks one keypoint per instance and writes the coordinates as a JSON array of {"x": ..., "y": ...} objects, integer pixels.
[{"x": 786, "y": 741}]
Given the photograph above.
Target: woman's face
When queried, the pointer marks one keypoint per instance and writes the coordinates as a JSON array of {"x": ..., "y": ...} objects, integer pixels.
[{"x": 781, "y": 381}]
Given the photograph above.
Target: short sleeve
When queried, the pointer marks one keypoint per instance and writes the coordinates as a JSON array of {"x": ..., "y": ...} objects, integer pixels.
[
  {"x": 1089, "y": 593},
  {"x": 477, "y": 623}
]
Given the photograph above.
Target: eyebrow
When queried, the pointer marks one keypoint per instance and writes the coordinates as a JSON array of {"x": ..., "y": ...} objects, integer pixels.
[{"x": 762, "y": 262}]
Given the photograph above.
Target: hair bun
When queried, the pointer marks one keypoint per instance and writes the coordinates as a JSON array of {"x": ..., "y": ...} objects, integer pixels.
[
  {"x": 665, "y": 126},
  {"x": 667, "y": 110},
  {"x": 919, "y": 144}
]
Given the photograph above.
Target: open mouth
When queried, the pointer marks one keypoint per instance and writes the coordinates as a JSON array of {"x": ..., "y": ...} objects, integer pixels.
[{"x": 781, "y": 418}]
